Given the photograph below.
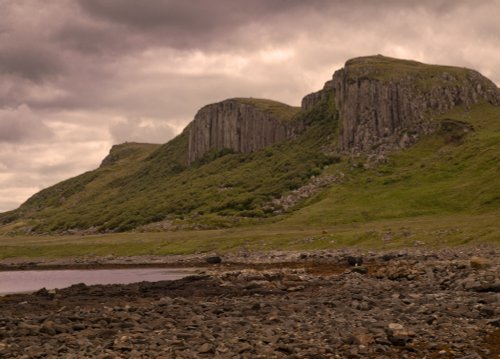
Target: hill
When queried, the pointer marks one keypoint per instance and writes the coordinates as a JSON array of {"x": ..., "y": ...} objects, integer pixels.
[{"x": 384, "y": 139}]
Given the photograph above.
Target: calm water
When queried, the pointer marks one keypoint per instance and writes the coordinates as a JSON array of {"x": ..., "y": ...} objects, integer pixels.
[{"x": 32, "y": 280}]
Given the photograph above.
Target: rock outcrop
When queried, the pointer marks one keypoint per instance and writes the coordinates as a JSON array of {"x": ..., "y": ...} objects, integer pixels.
[
  {"x": 387, "y": 103},
  {"x": 242, "y": 125}
]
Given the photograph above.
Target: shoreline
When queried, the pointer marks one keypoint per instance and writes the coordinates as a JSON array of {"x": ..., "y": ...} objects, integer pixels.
[
  {"x": 409, "y": 303},
  {"x": 240, "y": 258}
]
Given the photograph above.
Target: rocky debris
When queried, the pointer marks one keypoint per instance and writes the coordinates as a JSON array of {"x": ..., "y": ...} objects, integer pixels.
[
  {"x": 409, "y": 304},
  {"x": 315, "y": 184},
  {"x": 238, "y": 125}
]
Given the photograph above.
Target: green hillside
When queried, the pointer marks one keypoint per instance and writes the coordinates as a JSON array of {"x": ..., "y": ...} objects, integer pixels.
[
  {"x": 452, "y": 173},
  {"x": 449, "y": 172},
  {"x": 139, "y": 184}
]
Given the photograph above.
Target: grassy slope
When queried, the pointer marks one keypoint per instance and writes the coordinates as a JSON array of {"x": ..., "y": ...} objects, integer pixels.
[
  {"x": 144, "y": 185},
  {"x": 434, "y": 177},
  {"x": 436, "y": 193}
]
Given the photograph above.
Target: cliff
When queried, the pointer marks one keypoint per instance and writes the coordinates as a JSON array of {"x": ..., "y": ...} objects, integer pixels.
[
  {"x": 387, "y": 103},
  {"x": 242, "y": 125}
]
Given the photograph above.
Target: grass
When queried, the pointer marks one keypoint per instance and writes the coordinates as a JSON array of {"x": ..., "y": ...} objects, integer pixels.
[
  {"x": 420, "y": 75},
  {"x": 427, "y": 231},
  {"x": 445, "y": 190},
  {"x": 141, "y": 184},
  {"x": 434, "y": 177},
  {"x": 438, "y": 193},
  {"x": 281, "y": 111}
]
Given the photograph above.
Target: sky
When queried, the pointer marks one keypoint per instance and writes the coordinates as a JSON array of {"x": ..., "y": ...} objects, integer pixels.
[{"x": 77, "y": 77}]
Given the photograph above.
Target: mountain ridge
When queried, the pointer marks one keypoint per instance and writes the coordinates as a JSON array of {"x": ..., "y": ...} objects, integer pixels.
[{"x": 250, "y": 153}]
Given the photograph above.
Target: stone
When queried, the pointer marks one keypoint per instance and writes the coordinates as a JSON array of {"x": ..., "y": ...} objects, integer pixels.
[
  {"x": 206, "y": 349},
  {"x": 380, "y": 112},
  {"x": 213, "y": 260},
  {"x": 238, "y": 125},
  {"x": 354, "y": 261},
  {"x": 360, "y": 270},
  {"x": 480, "y": 263}
]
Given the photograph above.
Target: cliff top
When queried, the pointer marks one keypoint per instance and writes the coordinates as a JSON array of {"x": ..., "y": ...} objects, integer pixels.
[
  {"x": 388, "y": 69},
  {"x": 128, "y": 150},
  {"x": 281, "y": 111}
]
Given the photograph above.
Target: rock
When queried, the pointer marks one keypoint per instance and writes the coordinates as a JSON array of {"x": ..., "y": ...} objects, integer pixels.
[
  {"x": 354, "y": 261},
  {"x": 340, "y": 315},
  {"x": 398, "y": 335},
  {"x": 381, "y": 109},
  {"x": 241, "y": 125},
  {"x": 48, "y": 328},
  {"x": 360, "y": 270},
  {"x": 213, "y": 260},
  {"x": 480, "y": 263},
  {"x": 495, "y": 323},
  {"x": 206, "y": 349},
  {"x": 395, "y": 326}
]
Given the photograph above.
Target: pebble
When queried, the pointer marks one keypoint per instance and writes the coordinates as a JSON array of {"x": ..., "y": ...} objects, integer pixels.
[{"x": 407, "y": 304}]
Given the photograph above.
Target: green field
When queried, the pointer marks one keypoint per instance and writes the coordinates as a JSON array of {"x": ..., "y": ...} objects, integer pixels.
[{"x": 427, "y": 231}]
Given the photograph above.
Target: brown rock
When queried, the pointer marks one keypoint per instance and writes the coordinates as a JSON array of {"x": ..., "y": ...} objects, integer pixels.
[{"x": 480, "y": 263}]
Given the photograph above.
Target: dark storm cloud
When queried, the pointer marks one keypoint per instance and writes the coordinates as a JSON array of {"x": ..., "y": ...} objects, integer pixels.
[
  {"x": 30, "y": 63},
  {"x": 194, "y": 17}
]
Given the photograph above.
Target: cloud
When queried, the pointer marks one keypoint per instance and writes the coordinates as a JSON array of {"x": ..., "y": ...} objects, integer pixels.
[
  {"x": 22, "y": 125},
  {"x": 30, "y": 63},
  {"x": 78, "y": 76},
  {"x": 142, "y": 130}
]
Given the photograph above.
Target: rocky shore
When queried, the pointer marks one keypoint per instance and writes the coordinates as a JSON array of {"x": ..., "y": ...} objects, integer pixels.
[{"x": 327, "y": 304}]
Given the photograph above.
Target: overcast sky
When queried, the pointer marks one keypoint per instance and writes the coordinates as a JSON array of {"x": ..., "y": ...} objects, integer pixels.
[{"x": 77, "y": 77}]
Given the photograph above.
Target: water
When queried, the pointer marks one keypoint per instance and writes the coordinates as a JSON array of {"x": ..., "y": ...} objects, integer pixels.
[{"x": 33, "y": 280}]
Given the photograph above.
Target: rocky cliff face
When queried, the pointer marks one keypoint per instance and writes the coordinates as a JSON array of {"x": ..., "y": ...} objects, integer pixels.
[
  {"x": 386, "y": 103},
  {"x": 243, "y": 125}
]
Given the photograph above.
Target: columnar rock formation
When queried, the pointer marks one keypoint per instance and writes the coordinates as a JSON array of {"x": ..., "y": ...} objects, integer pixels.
[
  {"x": 242, "y": 125},
  {"x": 387, "y": 103}
]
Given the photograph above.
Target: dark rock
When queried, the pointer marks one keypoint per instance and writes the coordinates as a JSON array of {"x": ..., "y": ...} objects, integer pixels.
[
  {"x": 354, "y": 261},
  {"x": 382, "y": 110},
  {"x": 213, "y": 260},
  {"x": 388, "y": 256},
  {"x": 495, "y": 323},
  {"x": 42, "y": 293},
  {"x": 241, "y": 125},
  {"x": 398, "y": 340},
  {"x": 360, "y": 270},
  {"x": 487, "y": 312}
]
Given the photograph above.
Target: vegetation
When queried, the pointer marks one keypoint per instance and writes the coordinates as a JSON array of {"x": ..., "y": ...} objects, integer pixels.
[
  {"x": 420, "y": 75},
  {"x": 281, "y": 111},
  {"x": 444, "y": 190},
  {"x": 140, "y": 184}
]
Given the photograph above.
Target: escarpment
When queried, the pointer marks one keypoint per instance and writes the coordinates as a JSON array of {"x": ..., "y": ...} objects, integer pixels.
[
  {"x": 242, "y": 125},
  {"x": 386, "y": 103}
]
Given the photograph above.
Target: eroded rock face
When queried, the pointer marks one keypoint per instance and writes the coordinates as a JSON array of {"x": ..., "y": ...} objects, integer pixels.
[
  {"x": 386, "y": 104},
  {"x": 235, "y": 125}
]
